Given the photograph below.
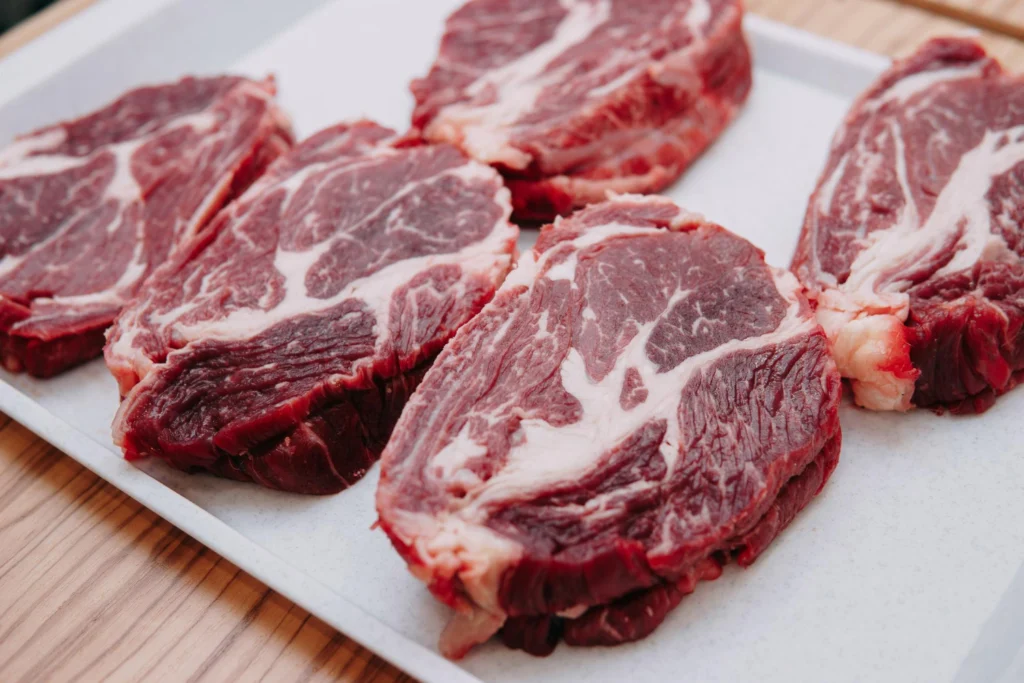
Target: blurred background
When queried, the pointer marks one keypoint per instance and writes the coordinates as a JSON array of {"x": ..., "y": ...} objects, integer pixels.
[{"x": 13, "y": 11}]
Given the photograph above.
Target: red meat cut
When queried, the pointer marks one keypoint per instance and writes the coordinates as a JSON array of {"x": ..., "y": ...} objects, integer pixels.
[
  {"x": 574, "y": 98},
  {"x": 88, "y": 208},
  {"x": 280, "y": 345},
  {"x": 913, "y": 246},
  {"x": 643, "y": 401}
]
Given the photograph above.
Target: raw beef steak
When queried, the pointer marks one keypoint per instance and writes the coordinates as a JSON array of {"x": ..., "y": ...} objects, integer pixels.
[
  {"x": 88, "y": 208},
  {"x": 643, "y": 401},
  {"x": 913, "y": 242},
  {"x": 281, "y": 344},
  {"x": 573, "y": 98}
]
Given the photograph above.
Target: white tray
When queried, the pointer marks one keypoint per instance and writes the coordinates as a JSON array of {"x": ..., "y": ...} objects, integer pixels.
[{"x": 907, "y": 568}]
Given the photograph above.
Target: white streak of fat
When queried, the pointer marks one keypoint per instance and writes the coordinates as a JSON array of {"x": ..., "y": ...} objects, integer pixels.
[
  {"x": 619, "y": 81},
  {"x": 544, "y": 456},
  {"x": 961, "y": 205},
  {"x": 374, "y": 290},
  {"x": 27, "y": 157},
  {"x": 485, "y": 130},
  {"x": 23, "y": 148},
  {"x": 451, "y": 547},
  {"x": 549, "y": 456},
  {"x": 42, "y": 165},
  {"x": 530, "y": 266},
  {"x": 123, "y": 186},
  {"x": 113, "y": 295},
  {"x": 911, "y": 86},
  {"x": 827, "y": 191},
  {"x": 449, "y": 463},
  {"x": 697, "y": 16}
]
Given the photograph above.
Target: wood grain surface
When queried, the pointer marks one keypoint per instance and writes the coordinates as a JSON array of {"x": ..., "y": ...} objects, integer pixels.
[
  {"x": 40, "y": 23},
  {"x": 1001, "y": 17},
  {"x": 95, "y": 587}
]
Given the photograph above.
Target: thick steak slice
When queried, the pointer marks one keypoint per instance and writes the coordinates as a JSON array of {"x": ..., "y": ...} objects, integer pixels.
[
  {"x": 913, "y": 246},
  {"x": 573, "y": 98},
  {"x": 281, "y": 344},
  {"x": 643, "y": 400},
  {"x": 88, "y": 208}
]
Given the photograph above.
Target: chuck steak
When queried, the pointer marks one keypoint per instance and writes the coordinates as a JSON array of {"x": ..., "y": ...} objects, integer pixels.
[
  {"x": 280, "y": 345},
  {"x": 913, "y": 246},
  {"x": 643, "y": 401},
  {"x": 571, "y": 99},
  {"x": 88, "y": 208}
]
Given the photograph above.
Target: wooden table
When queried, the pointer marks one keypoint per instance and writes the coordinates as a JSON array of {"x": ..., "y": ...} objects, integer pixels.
[{"x": 94, "y": 586}]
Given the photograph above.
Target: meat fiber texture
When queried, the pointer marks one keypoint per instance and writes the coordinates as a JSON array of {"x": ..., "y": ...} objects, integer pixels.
[
  {"x": 913, "y": 246},
  {"x": 88, "y": 208},
  {"x": 576, "y": 98},
  {"x": 643, "y": 401},
  {"x": 280, "y": 345}
]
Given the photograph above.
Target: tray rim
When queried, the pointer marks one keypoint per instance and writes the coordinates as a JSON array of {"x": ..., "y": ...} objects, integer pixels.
[
  {"x": 48, "y": 54},
  {"x": 44, "y": 58}
]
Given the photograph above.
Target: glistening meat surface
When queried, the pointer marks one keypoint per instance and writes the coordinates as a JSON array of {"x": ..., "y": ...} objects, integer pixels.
[
  {"x": 643, "y": 400},
  {"x": 280, "y": 345},
  {"x": 88, "y": 208},
  {"x": 913, "y": 246},
  {"x": 573, "y": 98}
]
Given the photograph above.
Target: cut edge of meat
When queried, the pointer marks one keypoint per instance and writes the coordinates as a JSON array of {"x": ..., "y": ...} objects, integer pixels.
[
  {"x": 966, "y": 336},
  {"x": 337, "y": 443},
  {"x": 638, "y": 614}
]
